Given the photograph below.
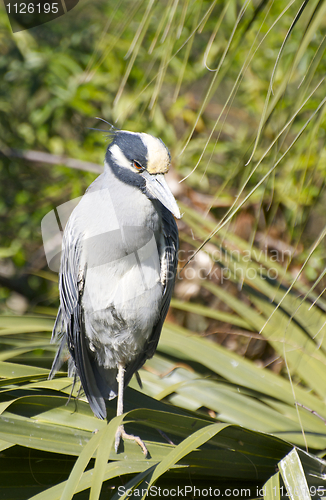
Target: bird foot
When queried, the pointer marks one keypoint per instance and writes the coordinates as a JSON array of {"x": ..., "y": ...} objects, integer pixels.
[{"x": 121, "y": 433}]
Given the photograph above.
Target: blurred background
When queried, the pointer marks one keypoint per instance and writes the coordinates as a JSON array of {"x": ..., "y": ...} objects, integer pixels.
[
  {"x": 228, "y": 87},
  {"x": 236, "y": 90}
]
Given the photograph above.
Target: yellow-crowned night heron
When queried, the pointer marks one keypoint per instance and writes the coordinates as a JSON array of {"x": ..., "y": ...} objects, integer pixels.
[{"x": 118, "y": 265}]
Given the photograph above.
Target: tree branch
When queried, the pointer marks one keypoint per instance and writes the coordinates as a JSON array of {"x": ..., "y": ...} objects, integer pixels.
[{"x": 41, "y": 157}]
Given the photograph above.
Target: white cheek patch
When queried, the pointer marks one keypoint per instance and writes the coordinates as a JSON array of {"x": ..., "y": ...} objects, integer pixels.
[
  {"x": 158, "y": 160},
  {"x": 119, "y": 157}
]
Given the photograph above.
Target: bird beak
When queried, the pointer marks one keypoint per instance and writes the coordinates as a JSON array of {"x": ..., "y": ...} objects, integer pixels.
[{"x": 157, "y": 186}]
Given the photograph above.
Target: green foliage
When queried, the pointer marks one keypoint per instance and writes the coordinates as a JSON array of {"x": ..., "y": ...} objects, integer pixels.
[
  {"x": 35, "y": 414},
  {"x": 148, "y": 70}
]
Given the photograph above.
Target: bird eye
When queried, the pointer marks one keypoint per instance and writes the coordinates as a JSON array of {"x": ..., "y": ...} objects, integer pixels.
[{"x": 138, "y": 166}]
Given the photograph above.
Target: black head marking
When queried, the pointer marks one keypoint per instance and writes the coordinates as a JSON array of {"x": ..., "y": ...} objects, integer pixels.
[{"x": 132, "y": 147}]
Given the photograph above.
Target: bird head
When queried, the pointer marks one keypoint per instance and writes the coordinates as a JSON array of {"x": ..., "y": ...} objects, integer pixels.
[{"x": 142, "y": 160}]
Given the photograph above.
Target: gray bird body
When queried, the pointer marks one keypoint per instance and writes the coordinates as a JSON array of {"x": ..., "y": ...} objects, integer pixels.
[{"x": 118, "y": 265}]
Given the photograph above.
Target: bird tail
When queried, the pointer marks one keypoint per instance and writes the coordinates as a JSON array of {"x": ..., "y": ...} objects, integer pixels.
[
  {"x": 106, "y": 380},
  {"x": 98, "y": 383}
]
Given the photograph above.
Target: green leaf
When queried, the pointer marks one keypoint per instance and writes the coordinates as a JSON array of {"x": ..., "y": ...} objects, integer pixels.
[
  {"x": 83, "y": 459},
  {"x": 102, "y": 456},
  {"x": 271, "y": 489},
  {"x": 294, "y": 477},
  {"x": 189, "y": 444}
]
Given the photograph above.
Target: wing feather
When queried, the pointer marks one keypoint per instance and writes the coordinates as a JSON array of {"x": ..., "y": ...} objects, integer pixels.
[
  {"x": 69, "y": 325},
  {"x": 68, "y": 292}
]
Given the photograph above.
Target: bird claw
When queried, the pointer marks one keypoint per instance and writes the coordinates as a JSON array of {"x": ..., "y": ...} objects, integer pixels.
[{"x": 121, "y": 433}]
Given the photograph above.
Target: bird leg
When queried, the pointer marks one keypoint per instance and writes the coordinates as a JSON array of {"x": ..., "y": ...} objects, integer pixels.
[{"x": 121, "y": 433}]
